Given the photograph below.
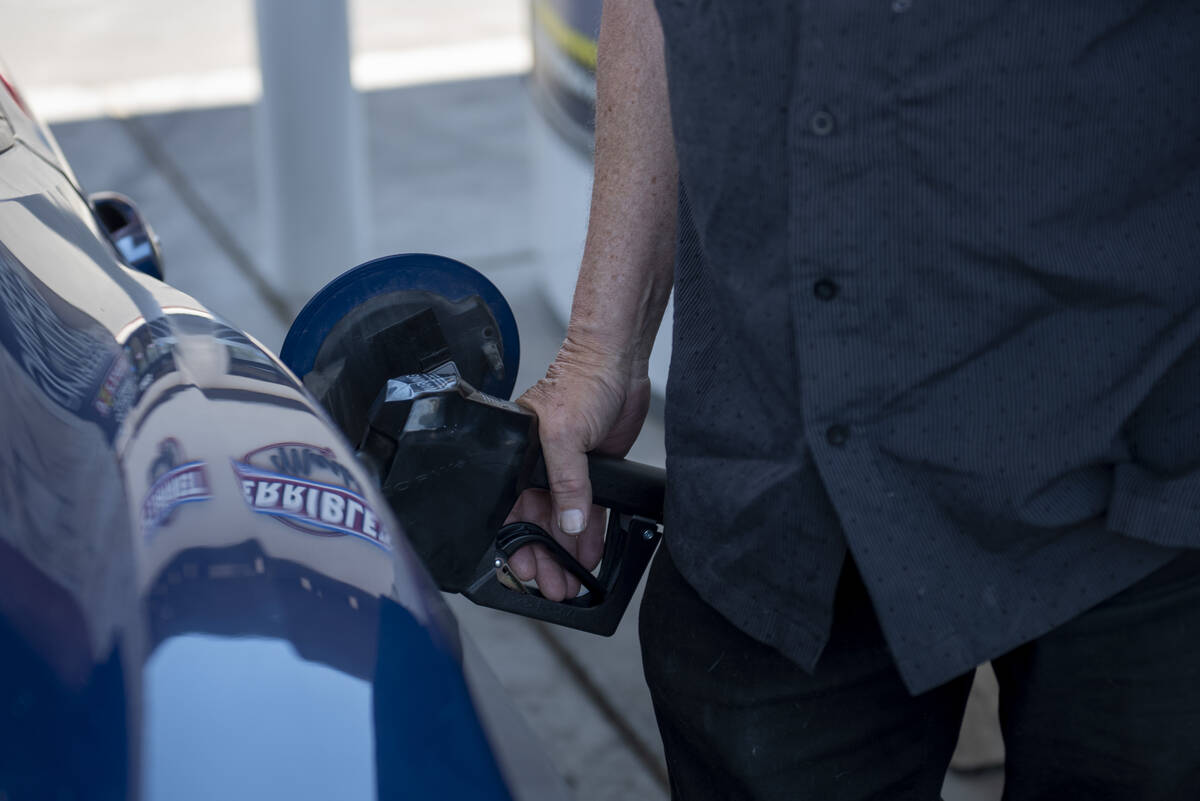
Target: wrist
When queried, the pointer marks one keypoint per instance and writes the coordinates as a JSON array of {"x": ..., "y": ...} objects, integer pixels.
[
  {"x": 596, "y": 349},
  {"x": 612, "y": 352},
  {"x": 617, "y": 319}
]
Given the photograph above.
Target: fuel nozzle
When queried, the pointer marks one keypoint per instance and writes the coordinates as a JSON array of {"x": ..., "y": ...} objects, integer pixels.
[
  {"x": 411, "y": 355},
  {"x": 452, "y": 462}
]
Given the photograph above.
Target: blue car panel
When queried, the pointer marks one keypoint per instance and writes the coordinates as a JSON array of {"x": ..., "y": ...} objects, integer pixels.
[{"x": 202, "y": 593}]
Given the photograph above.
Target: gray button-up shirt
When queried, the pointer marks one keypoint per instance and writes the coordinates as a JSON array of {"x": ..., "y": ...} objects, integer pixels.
[{"x": 937, "y": 301}]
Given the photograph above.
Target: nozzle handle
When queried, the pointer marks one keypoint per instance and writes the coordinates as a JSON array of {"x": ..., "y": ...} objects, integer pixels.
[
  {"x": 633, "y": 493},
  {"x": 626, "y": 487}
]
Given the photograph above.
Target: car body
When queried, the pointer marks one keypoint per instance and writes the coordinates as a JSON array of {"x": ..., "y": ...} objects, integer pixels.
[{"x": 202, "y": 592}]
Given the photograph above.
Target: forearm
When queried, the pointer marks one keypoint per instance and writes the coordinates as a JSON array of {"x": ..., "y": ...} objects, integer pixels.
[{"x": 625, "y": 274}]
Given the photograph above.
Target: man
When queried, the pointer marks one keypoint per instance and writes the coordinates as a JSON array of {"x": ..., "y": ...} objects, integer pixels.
[{"x": 933, "y": 396}]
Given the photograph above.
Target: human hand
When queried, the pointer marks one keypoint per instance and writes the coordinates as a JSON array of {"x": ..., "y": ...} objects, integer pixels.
[{"x": 590, "y": 400}]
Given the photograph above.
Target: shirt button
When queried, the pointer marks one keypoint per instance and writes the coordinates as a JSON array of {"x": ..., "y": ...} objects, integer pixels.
[
  {"x": 821, "y": 123},
  {"x": 825, "y": 289},
  {"x": 900, "y": 6},
  {"x": 837, "y": 435}
]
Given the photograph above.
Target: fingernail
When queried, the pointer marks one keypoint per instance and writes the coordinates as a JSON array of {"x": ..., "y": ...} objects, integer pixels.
[{"x": 571, "y": 521}]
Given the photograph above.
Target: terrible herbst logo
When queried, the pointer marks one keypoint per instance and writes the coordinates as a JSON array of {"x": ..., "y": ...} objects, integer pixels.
[{"x": 305, "y": 487}]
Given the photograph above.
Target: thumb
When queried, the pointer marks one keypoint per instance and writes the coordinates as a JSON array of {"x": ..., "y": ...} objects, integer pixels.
[{"x": 570, "y": 489}]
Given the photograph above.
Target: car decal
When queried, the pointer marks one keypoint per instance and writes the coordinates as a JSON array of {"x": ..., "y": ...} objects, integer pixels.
[
  {"x": 186, "y": 483},
  {"x": 278, "y": 480},
  {"x": 174, "y": 481}
]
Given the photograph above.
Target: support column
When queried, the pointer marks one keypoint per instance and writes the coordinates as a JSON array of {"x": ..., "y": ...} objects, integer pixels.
[{"x": 310, "y": 148}]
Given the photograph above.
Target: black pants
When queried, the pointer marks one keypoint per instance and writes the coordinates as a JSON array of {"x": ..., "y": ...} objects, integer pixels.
[{"x": 1104, "y": 707}]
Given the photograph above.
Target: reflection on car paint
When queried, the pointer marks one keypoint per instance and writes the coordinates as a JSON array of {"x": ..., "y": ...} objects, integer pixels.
[
  {"x": 151, "y": 350},
  {"x": 68, "y": 361},
  {"x": 247, "y": 359},
  {"x": 172, "y": 484},
  {"x": 417, "y": 702},
  {"x": 117, "y": 392},
  {"x": 151, "y": 347}
]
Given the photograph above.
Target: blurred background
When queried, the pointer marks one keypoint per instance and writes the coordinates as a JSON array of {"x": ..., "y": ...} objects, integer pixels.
[{"x": 275, "y": 143}]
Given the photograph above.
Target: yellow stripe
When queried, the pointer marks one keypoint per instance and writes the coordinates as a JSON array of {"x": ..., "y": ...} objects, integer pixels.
[{"x": 576, "y": 44}]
